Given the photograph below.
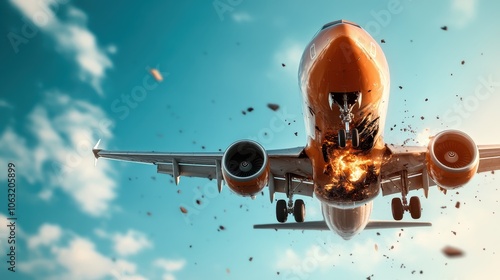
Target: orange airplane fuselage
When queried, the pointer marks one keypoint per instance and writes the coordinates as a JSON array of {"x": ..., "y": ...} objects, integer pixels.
[{"x": 343, "y": 62}]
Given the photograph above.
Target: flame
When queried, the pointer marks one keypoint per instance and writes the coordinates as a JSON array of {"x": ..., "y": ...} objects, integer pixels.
[{"x": 348, "y": 168}]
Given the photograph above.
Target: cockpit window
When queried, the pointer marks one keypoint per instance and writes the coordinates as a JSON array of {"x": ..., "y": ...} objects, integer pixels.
[{"x": 339, "y": 22}]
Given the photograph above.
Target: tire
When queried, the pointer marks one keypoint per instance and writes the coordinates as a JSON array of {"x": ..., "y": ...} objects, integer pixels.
[
  {"x": 281, "y": 211},
  {"x": 415, "y": 208},
  {"x": 355, "y": 138},
  {"x": 299, "y": 210},
  {"x": 342, "y": 138},
  {"x": 397, "y": 209}
]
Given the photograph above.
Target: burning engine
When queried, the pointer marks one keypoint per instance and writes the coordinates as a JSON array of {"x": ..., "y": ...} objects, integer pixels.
[
  {"x": 245, "y": 167},
  {"x": 452, "y": 159}
]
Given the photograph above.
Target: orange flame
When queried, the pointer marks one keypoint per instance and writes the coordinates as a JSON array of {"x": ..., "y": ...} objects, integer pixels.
[{"x": 347, "y": 168}]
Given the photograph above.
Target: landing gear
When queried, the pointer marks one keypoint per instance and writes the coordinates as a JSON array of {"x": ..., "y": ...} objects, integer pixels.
[
  {"x": 399, "y": 206},
  {"x": 298, "y": 209},
  {"x": 284, "y": 208},
  {"x": 346, "y": 102}
]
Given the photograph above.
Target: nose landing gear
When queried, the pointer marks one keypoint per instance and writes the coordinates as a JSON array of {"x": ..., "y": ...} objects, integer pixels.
[{"x": 345, "y": 101}]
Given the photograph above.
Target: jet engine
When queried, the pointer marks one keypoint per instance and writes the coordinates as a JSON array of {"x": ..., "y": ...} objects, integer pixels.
[
  {"x": 452, "y": 159},
  {"x": 245, "y": 167}
]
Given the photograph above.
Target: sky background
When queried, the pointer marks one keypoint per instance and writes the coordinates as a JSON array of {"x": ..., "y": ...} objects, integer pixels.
[{"x": 74, "y": 72}]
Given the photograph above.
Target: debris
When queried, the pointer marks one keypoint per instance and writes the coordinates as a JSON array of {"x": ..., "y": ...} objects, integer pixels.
[
  {"x": 376, "y": 247},
  {"x": 283, "y": 64},
  {"x": 296, "y": 133},
  {"x": 427, "y": 99},
  {"x": 183, "y": 210},
  {"x": 243, "y": 112},
  {"x": 445, "y": 28},
  {"x": 250, "y": 259},
  {"x": 382, "y": 41},
  {"x": 400, "y": 87},
  {"x": 222, "y": 228},
  {"x": 250, "y": 109},
  {"x": 273, "y": 106},
  {"x": 457, "y": 205},
  {"x": 422, "y": 117},
  {"x": 148, "y": 213},
  {"x": 452, "y": 252},
  {"x": 463, "y": 62},
  {"x": 156, "y": 74},
  {"x": 178, "y": 191},
  {"x": 198, "y": 202},
  {"x": 228, "y": 271},
  {"x": 454, "y": 232}
]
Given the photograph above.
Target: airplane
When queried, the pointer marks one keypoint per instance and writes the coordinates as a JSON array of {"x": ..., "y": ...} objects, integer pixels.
[{"x": 344, "y": 80}]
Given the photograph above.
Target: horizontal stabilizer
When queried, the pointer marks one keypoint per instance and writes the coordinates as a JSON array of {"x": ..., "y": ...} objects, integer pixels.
[
  {"x": 321, "y": 225},
  {"x": 316, "y": 225}
]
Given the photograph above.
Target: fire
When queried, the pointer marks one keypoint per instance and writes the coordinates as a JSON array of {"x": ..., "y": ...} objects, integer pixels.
[{"x": 347, "y": 169}]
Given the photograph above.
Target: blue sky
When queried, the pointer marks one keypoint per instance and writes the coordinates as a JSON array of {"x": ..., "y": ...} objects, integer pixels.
[{"x": 69, "y": 67}]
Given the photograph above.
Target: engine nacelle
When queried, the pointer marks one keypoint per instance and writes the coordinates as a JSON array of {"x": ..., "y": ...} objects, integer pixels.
[
  {"x": 452, "y": 159},
  {"x": 245, "y": 167}
]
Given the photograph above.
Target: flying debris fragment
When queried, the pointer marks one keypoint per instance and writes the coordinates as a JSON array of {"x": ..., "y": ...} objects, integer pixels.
[
  {"x": 457, "y": 205},
  {"x": 156, "y": 74},
  {"x": 445, "y": 28},
  {"x": 183, "y": 210},
  {"x": 452, "y": 252},
  {"x": 273, "y": 106}
]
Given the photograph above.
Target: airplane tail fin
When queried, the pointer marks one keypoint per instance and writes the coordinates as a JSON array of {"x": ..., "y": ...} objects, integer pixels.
[{"x": 321, "y": 225}]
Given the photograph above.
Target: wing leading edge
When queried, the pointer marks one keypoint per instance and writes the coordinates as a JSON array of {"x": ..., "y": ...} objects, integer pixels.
[{"x": 208, "y": 165}]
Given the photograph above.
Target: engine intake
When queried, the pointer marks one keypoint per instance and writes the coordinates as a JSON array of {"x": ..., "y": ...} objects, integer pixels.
[
  {"x": 245, "y": 167},
  {"x": 452, "y": 159}
]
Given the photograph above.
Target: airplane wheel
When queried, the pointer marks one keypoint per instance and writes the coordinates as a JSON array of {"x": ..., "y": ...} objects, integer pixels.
[
  {"x": 299, "y": 210},
  {"x": 341, "y": 138},
  {"x": 281, "y": 211},
  {"x": 355, "y": 138},
  {"x": 415, "y": 209},
  {"x": 397, "y": 209}
]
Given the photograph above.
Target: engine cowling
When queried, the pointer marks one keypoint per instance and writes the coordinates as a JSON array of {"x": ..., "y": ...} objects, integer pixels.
[
  {"x": 452, "y": 159},
  {"x": 245, "y": 167}
]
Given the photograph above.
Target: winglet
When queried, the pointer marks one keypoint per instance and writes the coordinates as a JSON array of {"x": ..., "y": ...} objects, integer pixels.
[{"x": 96, "y": 151}]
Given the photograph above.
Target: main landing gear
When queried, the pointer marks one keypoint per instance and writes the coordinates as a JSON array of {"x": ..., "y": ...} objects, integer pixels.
[
  {"x": 399, "y": 205},
  {"x": 346, "y": 102},
  {"x": 283, "y": 209}
]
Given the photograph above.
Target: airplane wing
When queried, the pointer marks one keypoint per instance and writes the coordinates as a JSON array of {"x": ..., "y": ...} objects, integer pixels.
[
  {"x": 412, "y": 159},
  {"x": 321, "y": 225},
  {"x": 285, "y": 163}
]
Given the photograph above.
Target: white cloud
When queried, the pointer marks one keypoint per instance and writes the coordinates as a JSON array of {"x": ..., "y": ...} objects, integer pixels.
[
  {"x": 463, "y": 11},
  {"x": 130, "y": 243},
  {"x": 72, "y": 36},
  {"x": 241, "y": 17},
  {"x": 72, "y": 259},
  {"x": 61, "y": 158},
  {"x": 47, "y": 234},
  {"x": 288, "y": 54},
  {"x": 5, "y": 104},
  {"x": 170, "y": 265}
]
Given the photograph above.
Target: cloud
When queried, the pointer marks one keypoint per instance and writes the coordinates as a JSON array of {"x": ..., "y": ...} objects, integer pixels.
[
  {"x": 288, "y": 54},
  {"x": 241, "y": 17},
  {"x": 130, "y": 243},
  {"x": 5, "y": 104},
  {"x": 463, "y": 11},
  {"x": 72, "y": 36},
  {"x": 169, "y": 267},
  {"x": 60, "y": 155},
  {"x": 47, "y": 234},
  {"x": 71, "y": 258}
]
